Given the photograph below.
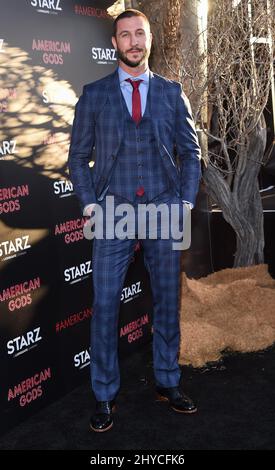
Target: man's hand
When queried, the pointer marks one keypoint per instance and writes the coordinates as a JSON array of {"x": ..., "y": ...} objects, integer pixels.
[
  {"x": 87, "y": 211},
  {"x": 87, "y": 228},
  {"x": 188, "y": 204}
]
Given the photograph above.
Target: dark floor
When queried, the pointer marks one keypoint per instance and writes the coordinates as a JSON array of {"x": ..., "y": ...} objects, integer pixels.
[{"x": 236, "y": 410}]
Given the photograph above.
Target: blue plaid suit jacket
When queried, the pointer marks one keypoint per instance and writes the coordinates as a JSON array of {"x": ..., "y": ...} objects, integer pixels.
[{"x": 98, "y": 124}]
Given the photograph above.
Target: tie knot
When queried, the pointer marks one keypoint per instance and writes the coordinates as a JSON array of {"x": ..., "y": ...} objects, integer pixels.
[{"x": 135, "y": 83}]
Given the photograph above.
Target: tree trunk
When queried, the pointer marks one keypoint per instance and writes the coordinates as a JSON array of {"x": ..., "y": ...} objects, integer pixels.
[
  {"x": 249, "y": 196},
  {"x": 164, "y": 17},
  {"x": 242, "y": 207},
  {"x": 177, "y": 32}
]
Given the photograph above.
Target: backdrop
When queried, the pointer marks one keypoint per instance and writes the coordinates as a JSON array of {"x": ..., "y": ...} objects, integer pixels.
[{"x": 48, "y": 51}]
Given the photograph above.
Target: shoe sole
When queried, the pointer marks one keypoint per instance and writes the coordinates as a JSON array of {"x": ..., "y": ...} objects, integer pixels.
[
  {"x": 161, "y": 398},
  {"x": 114, "y": 409},
  {"x": 102, "y": 430}
]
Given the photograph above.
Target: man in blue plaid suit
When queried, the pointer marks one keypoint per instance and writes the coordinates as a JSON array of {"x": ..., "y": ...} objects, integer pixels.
[{"x": 135, "y": 120}]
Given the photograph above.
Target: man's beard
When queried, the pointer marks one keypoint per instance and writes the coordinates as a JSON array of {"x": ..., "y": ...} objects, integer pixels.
[{"x": 132, "y": 63}]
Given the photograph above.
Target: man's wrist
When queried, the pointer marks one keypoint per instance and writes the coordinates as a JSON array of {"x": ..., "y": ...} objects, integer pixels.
[
  {"x": 188, "y": 203},
  {"x": 88, "y": 209}
]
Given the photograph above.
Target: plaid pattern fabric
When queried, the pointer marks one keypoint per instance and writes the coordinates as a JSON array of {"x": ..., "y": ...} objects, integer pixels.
[
  {"x": 99, "y": 122},
  {"x": 138, "y": 161},
  {"x": 110, "y": 261}
]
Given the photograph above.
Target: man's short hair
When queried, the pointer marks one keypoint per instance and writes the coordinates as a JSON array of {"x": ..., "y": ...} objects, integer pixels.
[{"x": 129, "y": 13}]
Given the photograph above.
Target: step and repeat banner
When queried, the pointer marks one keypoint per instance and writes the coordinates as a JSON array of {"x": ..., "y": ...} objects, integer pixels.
[{"x": 48, "y": 50}]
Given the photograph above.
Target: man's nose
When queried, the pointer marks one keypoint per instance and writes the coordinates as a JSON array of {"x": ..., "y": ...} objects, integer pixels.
[{"x": 134, "y": 40}]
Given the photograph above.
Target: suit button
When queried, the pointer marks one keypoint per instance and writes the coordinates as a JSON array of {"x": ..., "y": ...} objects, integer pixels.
[{"x": 113, "y": 157}]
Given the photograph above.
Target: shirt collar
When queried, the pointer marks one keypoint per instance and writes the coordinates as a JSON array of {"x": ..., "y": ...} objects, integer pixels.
[{"x": 123, "y": 75}]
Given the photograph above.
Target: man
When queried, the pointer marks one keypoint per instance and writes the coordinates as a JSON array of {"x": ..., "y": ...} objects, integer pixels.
[{"x": 135, "y": 120}]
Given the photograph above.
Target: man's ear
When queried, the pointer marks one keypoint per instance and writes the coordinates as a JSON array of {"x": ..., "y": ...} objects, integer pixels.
[{"x": 114, "y": 42}]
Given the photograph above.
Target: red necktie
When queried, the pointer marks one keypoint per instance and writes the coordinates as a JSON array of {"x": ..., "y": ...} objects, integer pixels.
[
  {"x": 136, "y": 114},
  {"x": 136, "y": 101}
]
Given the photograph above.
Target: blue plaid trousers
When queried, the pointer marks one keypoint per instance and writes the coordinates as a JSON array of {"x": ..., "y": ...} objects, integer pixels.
[{"x": 110, "y": 262}]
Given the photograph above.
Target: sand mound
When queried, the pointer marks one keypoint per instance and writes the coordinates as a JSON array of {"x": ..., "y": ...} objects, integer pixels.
[{"x": 231, "y": 309}]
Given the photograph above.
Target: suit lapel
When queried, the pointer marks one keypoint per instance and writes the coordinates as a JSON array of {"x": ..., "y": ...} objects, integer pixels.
[
  {"x": 155, "y": 97},
  {"x": 115, "y": 97}
]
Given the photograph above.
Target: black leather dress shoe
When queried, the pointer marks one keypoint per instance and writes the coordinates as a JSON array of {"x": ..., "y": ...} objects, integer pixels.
[
  {"x": 178, "y": 401},
  {"x": 102, "y": 419}
]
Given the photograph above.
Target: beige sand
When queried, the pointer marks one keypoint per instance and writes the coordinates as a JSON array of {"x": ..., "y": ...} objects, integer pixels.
[{"x": 231, "y": 309}]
